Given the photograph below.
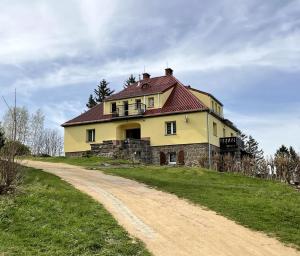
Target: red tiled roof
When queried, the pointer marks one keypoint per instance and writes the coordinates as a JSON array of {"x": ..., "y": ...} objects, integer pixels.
[
  {"x": 180, "y": 100},
  {"x": 94, "y": 114},
  {"x": 145, "y": 87}
]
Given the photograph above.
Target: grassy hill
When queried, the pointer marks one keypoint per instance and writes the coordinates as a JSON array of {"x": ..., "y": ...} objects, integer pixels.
[{"x": 50, "y": 217}]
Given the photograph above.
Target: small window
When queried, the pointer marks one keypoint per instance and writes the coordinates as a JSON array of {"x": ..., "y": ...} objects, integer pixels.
[
  {"x": 151, "y": 102},
  {"x": 216, "y": 107},
  {"x": 138, "y": 103},
  {"x": 232, "y": 135},
  {"x": 172, "y": 158},
  {"x": 224, "y": 132},
  {"x": 170, "y": 128},
  {"x": 90, "y": 135},
  {"x": 219, "y": 110},
  {"x": 215, "y": 129},
  {"x": 212, "y": 105},
  {"x": 113, "y": 107}
]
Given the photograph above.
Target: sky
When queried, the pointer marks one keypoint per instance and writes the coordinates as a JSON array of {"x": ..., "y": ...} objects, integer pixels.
[{"x": 246, "y": 53}]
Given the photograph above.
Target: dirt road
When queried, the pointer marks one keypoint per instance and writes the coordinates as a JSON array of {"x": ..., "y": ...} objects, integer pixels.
[{"x": 169, "y": 226}]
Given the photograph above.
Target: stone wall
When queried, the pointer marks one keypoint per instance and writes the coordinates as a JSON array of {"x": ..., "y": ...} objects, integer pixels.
[
  {"x": 78, "y": 153},
  {"x": 192, "y": 152},
  {"x": 132, "y": 149},
  {"x": 141, "y": 151}
]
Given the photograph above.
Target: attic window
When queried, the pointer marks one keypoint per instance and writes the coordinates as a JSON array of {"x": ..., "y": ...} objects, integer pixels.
[{"x": 145, "y": 85}]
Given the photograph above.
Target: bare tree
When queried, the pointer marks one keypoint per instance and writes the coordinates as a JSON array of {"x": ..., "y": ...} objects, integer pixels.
[
  {"x": 22, "y": 129},
  {"x": 36, "y": 132},
  {"x": 52, "y": 142}
]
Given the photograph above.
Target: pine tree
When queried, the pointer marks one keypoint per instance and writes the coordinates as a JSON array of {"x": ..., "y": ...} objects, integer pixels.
[
  {"x": 283, "y": 150},
  {"x": 294, "y": 156},
  {"x": 129, "y": 81},
  {"x": 252, "y": 147},
  {"x": 102, "y": 91},
  {"x": 91, "y": 103},
  {"x": 244, "y": 138},
  {"x": 2, "y": 137}
]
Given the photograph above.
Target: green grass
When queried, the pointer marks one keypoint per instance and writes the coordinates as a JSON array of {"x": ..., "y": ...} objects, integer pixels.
[
  {"x": 90, "y": 162},
  {"x": 50, "y": 217},
  {"x": 268, "y": 206}
]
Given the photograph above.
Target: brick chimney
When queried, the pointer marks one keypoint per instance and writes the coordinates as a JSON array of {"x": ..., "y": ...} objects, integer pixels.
[
  {"x": 146, "y": 75},
  {"x": 169, "y": 72}
]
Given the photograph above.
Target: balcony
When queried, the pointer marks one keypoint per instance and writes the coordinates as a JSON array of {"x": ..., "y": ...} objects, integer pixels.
[
  {"x": 231, "y": 144},
  {"x": 129, "y": 110}
]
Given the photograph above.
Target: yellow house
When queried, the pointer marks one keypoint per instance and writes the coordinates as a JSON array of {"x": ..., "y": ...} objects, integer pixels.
[{"x": 158, "y": 120}]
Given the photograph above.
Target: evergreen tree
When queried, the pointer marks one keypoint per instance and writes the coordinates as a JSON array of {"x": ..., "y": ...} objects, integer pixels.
[
  {"x": 244, "y": 138},
  {"x": 294, "y": 156},
  {"x": 283, "y": 150},
  {"x": 2, "y": 137},
  {"x": 252, "y": 147},
  {"x": 129, "y": 81},
  {"x": 102, "y": 91},
  {"x": 91, "y": 103}
]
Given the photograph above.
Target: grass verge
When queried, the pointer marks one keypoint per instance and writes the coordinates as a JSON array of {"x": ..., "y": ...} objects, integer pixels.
[{"x": 50, "y": 217}]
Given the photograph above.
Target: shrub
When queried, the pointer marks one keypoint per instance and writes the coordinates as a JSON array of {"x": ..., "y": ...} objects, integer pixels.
[
  {"x": 14, "y": 148},
  {"x": 10, "y": 176}
]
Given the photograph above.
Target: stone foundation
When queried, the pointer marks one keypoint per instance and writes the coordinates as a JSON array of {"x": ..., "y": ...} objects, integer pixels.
[
  {"x": 192, "y": 152},
  {"x": 141, "y": 151},
  {"x": 77, "y": 154}
]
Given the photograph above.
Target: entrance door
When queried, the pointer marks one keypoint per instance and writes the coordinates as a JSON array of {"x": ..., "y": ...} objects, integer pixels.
[
  {"x": 133, "y": 133},
  {"x": 125, "y": 103}
]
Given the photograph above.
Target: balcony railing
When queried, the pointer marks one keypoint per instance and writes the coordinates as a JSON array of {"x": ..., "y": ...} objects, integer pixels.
[
  {"x": 231, "y": 143},
  {"x": 129, "y": 110}
]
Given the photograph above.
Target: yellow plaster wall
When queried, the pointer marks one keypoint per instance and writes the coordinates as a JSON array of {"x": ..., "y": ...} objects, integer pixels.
[
  {"x": 164, "y": 96},
  {"x": 192, "y": 131},
  {"x": 215, "y": 140},
  {"x": 208, "y": 101}
]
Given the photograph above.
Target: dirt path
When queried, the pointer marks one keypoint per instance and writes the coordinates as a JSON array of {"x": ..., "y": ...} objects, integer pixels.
[{"x": 169, "y": 226}]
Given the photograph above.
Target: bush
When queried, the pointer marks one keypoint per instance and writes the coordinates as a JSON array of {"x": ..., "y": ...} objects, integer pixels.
[
  {"x": 10, "y": 176},
  {"x": 14, "y": 148},
  {"x": 10, "y": 171}
]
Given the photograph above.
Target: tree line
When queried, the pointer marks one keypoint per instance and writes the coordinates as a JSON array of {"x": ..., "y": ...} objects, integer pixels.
[{"x": 31, "y": 132}]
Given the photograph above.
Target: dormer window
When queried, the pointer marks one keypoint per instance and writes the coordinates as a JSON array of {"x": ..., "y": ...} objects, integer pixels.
[
  {"x": 151, "y": 102},
  {"x": 145, "y": 85}
]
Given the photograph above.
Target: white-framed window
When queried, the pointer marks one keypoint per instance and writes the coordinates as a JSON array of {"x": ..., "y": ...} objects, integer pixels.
[
  {"x": 170, "y": 128},
  {"x": 151, "y": 102},
  {"x": 215, "y": 129},
  {"x": 172, "y": 158},
  {"x": 90, "y": 135}
]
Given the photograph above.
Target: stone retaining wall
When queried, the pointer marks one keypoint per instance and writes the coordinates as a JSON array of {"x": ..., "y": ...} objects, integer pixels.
[
  {"x": 192, "y": 152},
  {"x": 141, "y": 151}
]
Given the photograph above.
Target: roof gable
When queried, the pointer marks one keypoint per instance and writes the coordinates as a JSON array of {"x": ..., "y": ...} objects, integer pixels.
[{"x": 180, "y": 100}]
